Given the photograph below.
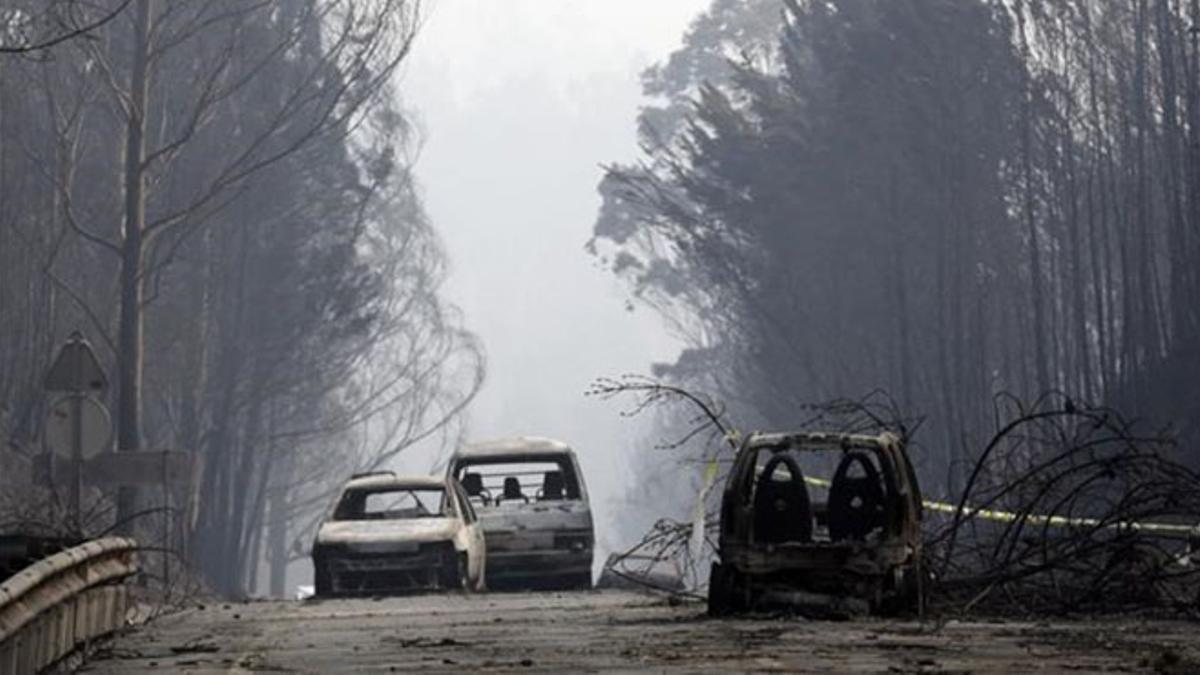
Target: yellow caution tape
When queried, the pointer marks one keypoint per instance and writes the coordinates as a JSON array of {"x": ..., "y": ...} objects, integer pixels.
[
  {"x": 1053, "y": 521},
  {"x": 819, "y": 482}
]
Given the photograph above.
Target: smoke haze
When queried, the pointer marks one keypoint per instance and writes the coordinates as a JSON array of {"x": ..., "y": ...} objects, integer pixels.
[{"x": 520, "y": 102}]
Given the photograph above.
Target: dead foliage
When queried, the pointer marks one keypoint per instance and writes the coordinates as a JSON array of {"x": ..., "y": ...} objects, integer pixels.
[{"x": 1069, "y": 508}]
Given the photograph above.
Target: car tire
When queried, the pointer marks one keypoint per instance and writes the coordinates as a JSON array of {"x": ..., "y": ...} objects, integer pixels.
[
  {"x": 904, "y": 596},
  {"x": 454, "y": 574},
  {"x": 913, "y": 591},
  {"x": 322, "y": 582},
  {"x": 480, "y": 585},
  {"x": 578, "y": 582},
  {"x": 720, "y": 592}
]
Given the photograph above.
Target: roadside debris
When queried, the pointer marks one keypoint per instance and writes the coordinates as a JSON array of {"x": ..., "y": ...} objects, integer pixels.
[
  {"x": 1068, "y": 509},
  {"x": 634, "y": 569}
]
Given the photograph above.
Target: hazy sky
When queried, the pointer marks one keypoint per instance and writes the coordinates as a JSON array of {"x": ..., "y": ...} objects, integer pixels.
[{"x": 521, "y": 101}]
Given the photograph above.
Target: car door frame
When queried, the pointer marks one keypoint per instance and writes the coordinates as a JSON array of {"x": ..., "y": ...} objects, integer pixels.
[{"x": 477, "y": 552}]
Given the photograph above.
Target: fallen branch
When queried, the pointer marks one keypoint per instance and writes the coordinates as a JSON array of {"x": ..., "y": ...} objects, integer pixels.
[{"x": 1069, "y": 508}]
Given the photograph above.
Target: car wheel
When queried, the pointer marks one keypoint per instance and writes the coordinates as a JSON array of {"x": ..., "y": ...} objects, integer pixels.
[
  {"x": 322, "y": 583},
  {"x": 912, "y": 591},
  {"x": 719, "y": 591},
  {"x": 744, "y": 595},
  {"x": 454, "y": 574},
  {"x": 481, "y": 581},
  {"x": 578, "y": 582},
  {"x": 902, "y": 595}
]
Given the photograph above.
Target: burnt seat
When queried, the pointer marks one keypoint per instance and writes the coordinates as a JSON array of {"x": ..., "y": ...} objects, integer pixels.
[
  {"x": 552, "y": 486},
  {"x": 512, "y": 490},
  {"x": 473, "y": 485},
  {"x": 782, "y": 511},
  {"x": 856, "y": 502}
]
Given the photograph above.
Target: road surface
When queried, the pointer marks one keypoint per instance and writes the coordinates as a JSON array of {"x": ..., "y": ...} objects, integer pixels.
[{"x": 615, "y": 630}]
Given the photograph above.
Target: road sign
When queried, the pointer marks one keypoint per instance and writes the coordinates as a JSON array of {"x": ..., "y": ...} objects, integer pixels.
[
  {"x": 76, "y": 369},
  {"x": 75, "y": 427},
  {"x": 95, "y": 429}
]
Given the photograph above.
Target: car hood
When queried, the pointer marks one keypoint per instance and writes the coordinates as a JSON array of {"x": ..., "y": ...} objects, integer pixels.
[{"x": 409, "y": 530}]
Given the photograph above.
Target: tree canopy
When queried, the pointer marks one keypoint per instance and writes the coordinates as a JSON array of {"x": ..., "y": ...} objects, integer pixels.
[
  {"x": 220, "y": 194},
  {"x": 942, "y": 199}
]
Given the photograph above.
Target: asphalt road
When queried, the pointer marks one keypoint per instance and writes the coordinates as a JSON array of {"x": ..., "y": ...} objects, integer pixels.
[{"x": 615, "y": 630}]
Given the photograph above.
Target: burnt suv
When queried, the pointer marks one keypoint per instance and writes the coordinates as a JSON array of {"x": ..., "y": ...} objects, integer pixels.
[
  {"x": 858, "y": 550},
  {"x": 533, "y": 507}
]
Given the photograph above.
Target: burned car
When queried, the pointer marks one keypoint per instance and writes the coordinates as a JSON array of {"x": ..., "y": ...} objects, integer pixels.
[
  {"x": 857, "y": 551},
  {"x": 390, "y": 533},
  {"x": 533, "y": 506}
]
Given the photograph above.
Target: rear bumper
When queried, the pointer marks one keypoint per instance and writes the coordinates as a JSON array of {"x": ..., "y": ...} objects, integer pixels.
[
  {"x": 534, "y": 565},
  {"x": 850, "y": 577}
]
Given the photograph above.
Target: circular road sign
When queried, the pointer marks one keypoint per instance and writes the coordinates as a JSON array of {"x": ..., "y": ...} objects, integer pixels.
[{"x": 95, "y": 427}]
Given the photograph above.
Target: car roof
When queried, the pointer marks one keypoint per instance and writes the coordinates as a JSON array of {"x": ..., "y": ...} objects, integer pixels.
[
  {"x": 524, "y": 446},
  {"x": 823, "y": 438},
  {"x": 389, "y": 479}
]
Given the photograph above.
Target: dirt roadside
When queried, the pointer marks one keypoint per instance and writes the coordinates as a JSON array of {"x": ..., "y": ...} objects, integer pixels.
[{"x": 622, "y": 631}]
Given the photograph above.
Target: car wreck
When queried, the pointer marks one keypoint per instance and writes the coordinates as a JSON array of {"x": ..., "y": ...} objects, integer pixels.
[
  {"x": 389, "y": 533},
  {"x": 858, "y": 551},
  {"x": 533, "y": 507}
]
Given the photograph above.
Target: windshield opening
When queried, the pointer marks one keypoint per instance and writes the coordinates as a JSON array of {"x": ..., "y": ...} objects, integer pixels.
[
  {"x": 391, "y": 503},
  {"x": 509, "y": 480}
]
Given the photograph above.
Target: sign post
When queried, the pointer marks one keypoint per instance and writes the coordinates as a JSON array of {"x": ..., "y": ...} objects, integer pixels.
[
  {"x": 78, "y": 439},
  {"x": 77, "y": 458},
  {"x": 78, "y": 424}
]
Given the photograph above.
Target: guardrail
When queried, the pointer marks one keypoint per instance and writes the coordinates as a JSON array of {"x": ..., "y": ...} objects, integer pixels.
[{"x": 54, "y": 605}]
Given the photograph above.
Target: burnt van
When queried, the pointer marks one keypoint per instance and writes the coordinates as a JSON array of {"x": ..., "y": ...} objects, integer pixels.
[{"x": 533, "y": 506}]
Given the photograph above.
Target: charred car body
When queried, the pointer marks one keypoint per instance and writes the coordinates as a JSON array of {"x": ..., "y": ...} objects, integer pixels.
[
  {"x": 858, "y": 550},
  {"x": 390, "y": 533},
  {"x": 533, "y": 507}
]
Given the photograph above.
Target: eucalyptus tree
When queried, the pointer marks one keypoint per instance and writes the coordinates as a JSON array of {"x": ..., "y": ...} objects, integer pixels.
[
  {"x": 946, "y": 200},
  {"x": 221, "y": 192},
  {"x": 838, "y": 223}
]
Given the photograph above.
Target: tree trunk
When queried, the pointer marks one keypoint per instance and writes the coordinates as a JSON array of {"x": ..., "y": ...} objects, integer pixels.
[
  {"x": 1029, "y": 209},
  {"x": 129, "y": 340},
  {"x": 277, "y": 530}
]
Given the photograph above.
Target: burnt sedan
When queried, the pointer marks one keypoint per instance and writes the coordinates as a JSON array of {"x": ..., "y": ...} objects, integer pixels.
[{"x": 390, "y": 533}]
